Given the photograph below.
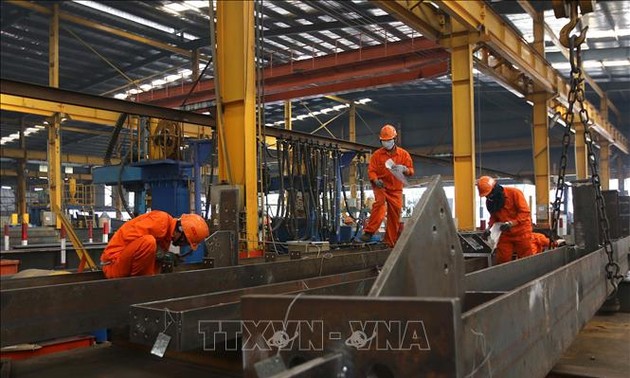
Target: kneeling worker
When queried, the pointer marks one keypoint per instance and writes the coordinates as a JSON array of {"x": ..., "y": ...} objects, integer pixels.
[{"x": 133, "y": 248}]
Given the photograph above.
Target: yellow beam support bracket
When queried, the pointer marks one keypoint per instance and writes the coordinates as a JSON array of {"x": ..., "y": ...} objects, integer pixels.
[
  {"x": 540, "y": 133},
  {"x": 581, "y": 157},
  {"x": 604, "y": 164},
  {"x": 55, "y": 181},
  {"x": 237, "y": 74},
  {"x": 463, "y": 135},
  {"x": 541, "y": 157}
]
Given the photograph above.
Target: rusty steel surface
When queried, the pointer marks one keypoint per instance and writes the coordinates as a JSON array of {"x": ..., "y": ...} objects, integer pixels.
[
  {"x": 400, "y": 336},
  {"x": 516, "y": 332},
  {"x": 515, "y": 319},
  {"x": 147, "y": 320},
  {"x": 524, "y": 332},
  {"x": 427, "y": 260},
  {"x": 44, "y": 312}
]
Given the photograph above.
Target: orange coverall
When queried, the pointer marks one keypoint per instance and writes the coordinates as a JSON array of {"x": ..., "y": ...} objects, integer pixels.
[
  {"x": 518, "y": 238},
  {"x": 539, "y": 242},
  {"x": 391, "y": 193},
  {"x": 133, "y": 248}
]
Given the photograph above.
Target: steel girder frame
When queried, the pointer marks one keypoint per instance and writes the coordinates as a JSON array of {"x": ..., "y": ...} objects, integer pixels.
[
  {"x": 237, "y": 95},
  {"x": 45, "y": 312},
  {"x": 515, "y": 320}
]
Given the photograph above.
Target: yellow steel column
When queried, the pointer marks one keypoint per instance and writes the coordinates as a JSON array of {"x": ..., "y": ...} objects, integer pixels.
[
  {"x": 604, "y": 164},
  {"x": 288, "y": 123},
  {"x": 235, "y": 58},
  {"x": 541, "y": 134},
  {"x": 55, "y": 181},
  {"x": 463, "y": 134},
  {"x": 581, "y": 162},
  {"x": 21, "y": 177},
  {"x": 352, "y": 135}
]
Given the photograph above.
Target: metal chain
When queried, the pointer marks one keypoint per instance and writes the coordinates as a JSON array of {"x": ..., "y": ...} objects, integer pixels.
[{"x": 613, "y": 270}]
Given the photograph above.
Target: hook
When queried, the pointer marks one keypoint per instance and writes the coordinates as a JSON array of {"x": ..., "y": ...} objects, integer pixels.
[{"x": 566, "y": 29}]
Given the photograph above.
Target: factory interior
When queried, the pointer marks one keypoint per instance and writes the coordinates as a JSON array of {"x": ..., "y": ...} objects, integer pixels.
[{"x": 315, "y": 188}]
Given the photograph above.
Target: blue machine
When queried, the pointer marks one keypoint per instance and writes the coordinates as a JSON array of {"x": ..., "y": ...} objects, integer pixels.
[{"x": 167, "y": 181}]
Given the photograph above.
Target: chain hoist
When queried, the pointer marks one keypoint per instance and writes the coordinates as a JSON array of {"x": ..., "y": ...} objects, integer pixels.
[{"x": 576, "y": 95}]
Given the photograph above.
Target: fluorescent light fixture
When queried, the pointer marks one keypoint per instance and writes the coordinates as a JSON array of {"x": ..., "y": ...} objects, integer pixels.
[
  {"x": 40, "y": 127},
  {"x": 130, "y": 17},
  {"x": 68, "y": 170},
  {"x": 6, "y": 187},
  {"x": 38, "y": 189},
  {"x": 120, "y": 96},
  {"x": 43, "y": 168}
]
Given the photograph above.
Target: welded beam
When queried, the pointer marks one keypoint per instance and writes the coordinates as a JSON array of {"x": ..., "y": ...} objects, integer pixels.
[
  {"x": 237, "y": 76},
  {"x": 463, "y": 134},
  {"x": 41, "y": 313}
]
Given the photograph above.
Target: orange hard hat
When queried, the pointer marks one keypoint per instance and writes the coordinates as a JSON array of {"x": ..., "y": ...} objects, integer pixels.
[
  {"x": 485, "y": 184},
  {"x": 388, "y": 132},
  {"x": 195, "y": 228}
]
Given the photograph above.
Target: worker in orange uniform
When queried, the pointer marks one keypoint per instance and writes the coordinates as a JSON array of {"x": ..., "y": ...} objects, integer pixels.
[
  {"x": 539, "y": 242},
  {"x": 387, "y": 188},
  {"x": 134, "y": 247},
  {"x": 507, "y": 205}
]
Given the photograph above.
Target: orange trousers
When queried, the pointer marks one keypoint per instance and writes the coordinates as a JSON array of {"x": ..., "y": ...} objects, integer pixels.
[
  {"x": 393, "y": 199},
  {"x": 136, "y": 259},
  {"x": 521, "y": 245}
]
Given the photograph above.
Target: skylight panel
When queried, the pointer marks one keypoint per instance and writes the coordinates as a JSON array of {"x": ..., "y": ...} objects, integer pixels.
[
  {"x": 377, "y": 12},
  {"x": 326, "y": 18},
  {"x": 276, "y": 8}
]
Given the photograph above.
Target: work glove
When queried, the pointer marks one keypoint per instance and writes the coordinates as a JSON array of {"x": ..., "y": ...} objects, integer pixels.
[
  {"x": 486, "y": 234},
  {"x": 507, "y": 226},
  {"x": 379, "y": 183},
  {"x": 402, "y": 168}
]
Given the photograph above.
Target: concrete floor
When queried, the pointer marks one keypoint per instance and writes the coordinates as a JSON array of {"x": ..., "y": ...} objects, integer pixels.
[{"x": 602, "y": 349}]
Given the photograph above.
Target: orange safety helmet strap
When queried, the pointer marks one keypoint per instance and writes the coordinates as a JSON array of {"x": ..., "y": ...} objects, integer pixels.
[
  {"x": 195, "y": 228},
  {"x": 388, "y": 132},
  {"x": 485, "y": 184}
]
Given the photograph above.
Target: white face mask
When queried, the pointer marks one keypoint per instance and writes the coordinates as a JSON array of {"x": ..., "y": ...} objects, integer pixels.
[{"x": 387, "y": 144}]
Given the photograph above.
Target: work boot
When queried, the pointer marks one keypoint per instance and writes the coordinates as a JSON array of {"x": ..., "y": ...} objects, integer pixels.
[{"x": 366, "y": 237}]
